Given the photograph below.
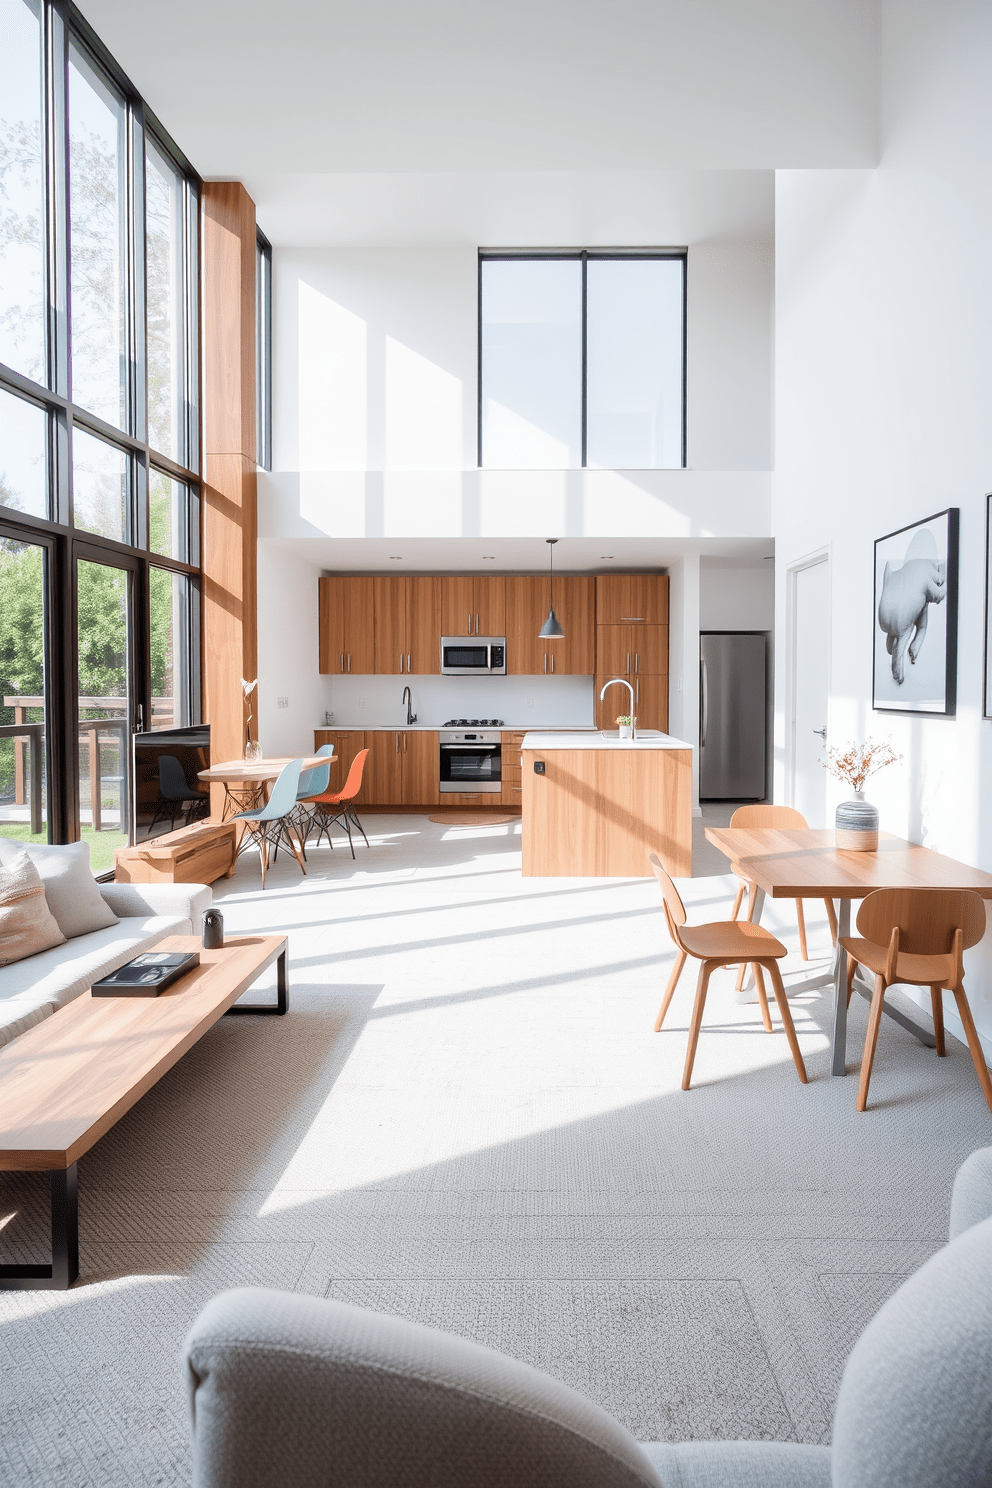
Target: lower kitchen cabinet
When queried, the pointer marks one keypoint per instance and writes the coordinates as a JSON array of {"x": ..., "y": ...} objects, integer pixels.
[
  {"x": 405, "y": 767},
  {"x": 347, "y": 743}
]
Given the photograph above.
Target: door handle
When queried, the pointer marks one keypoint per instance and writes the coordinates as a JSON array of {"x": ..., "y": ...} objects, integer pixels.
[
  {"x": 704, "y": 703},
  {"x": 822, "y": 733}
]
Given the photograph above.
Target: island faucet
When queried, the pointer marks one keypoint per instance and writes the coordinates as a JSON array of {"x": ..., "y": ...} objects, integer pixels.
[
  {"x": 407, "y": 698},
  {"x": 622, "y": 682}
]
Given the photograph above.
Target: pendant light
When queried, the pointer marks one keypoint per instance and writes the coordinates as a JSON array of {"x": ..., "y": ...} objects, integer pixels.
[{"x": 551, "y": 629}]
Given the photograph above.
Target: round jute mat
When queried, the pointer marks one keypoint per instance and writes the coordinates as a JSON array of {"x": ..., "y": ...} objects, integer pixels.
[{"x": 473, "y": 819}]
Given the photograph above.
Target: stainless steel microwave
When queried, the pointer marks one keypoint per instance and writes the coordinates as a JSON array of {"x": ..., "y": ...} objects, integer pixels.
[{"x": 473, "y": 656}]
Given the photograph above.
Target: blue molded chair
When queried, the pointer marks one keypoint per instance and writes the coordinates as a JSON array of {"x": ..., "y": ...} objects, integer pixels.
[
  {"x": 267, "y": 825},
  {"x": 313, "y": 782}
]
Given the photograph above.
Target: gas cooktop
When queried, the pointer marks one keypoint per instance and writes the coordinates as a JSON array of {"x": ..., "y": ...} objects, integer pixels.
[{"x": 474, "y": 723}]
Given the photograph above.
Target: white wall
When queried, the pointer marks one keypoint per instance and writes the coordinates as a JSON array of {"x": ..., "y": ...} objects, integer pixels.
[
  {"x": 736, "y": 598},
  {"x": 287, "y": 651},
  {"x": 884, "y": 385}
]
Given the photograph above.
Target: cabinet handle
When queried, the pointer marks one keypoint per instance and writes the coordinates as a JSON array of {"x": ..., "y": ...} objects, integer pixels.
[
  {"x": 469, "y": 631},
  {"x": 401, "y": 661},
  {"x": 408, "y": 661},
  {"x": 342, "y": 661},
  {"x": 636, "y": 662},
  {"x": 552, "y": 663},
  {"x": 632, "y": 617},
  {"x": 545, "y": 661},
  {"x": 477, "y": 625},
  {"x": 404, "y": 743},
  {"x": 349, "y": 661},
  {"x": 397, "y": 743},
  {"x": 627, "y": 672},
  {"x": 637, "y": 690}
]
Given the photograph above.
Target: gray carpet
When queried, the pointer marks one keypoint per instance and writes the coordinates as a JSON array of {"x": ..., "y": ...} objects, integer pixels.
[{"x": 466, "y": 1119}]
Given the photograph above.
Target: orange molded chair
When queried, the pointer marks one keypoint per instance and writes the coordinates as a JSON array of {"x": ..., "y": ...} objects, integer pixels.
[
  {"x": 785, "y": 817},
  {"x": 917, "y": 936},
  {"x": 723, "y": 943},
  {"x": 344, "y": 800}
]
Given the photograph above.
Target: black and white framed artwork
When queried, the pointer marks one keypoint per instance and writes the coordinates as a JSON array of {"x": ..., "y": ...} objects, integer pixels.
[{"x": 916, "y": 617}]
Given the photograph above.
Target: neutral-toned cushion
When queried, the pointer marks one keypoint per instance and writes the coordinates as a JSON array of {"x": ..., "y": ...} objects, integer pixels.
[
  {"x": 915, "y": 1403},
  {"x": 70, "y": 888},
  {"x": 971, "y": 1201},
  {"x": 299, "y": 1391},
  {"x": 36, "y": 987},
  {"x": 26, "y": 923}
]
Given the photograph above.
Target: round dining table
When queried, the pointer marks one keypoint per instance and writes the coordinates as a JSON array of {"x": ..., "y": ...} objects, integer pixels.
[{"x": 247, "y": 782}]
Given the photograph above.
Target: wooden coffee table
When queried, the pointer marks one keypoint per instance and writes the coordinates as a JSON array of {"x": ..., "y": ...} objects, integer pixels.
[{"x": 70, "y": 1078}]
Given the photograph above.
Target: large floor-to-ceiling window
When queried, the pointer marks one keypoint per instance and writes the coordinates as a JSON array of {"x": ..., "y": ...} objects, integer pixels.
[{"x": 99, "y": 431}]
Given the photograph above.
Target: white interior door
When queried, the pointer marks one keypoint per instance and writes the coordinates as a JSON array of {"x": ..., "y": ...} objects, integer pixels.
[{"x": 810, "y": 689}]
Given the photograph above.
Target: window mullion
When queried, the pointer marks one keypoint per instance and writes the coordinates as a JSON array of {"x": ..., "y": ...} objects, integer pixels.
[
  {"x": 137, "y": 272},
  {"x": 56, "y": 150},
  {"x": 585, "y": 276}
]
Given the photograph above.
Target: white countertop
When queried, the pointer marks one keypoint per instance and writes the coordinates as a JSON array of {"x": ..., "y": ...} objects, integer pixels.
[
  {"x": 646, "y": 739},
  {"x": 430, "y": 728}
]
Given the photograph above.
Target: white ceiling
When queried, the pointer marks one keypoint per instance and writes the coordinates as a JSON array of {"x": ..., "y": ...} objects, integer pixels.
[
  {"x": 293, "y": 99},
  {"x": 518, "y": 554}
]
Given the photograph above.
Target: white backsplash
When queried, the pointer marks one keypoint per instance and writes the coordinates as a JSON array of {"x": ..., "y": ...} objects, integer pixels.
[{"x": 523, "y": 702}]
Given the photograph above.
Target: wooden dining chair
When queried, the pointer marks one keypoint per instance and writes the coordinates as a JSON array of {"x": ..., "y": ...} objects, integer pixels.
[
  {"x": 723, "y": 943},
  {"x": 772, "y": 816},
  {"x": 917, "y": 936}
]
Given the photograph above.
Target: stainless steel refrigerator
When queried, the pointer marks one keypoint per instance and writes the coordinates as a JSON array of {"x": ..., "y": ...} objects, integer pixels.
[{"x": 733, "y": 715}]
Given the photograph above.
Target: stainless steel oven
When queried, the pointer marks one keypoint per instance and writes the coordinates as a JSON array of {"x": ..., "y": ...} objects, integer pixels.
[
  {"x": 472, "y": 656},
  {"x": 471, "y": 761}
]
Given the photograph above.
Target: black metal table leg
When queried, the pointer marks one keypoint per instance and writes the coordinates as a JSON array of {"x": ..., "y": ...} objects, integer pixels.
[
  {"x": 281, "y": 1004},
  {"x": 64, "y": 1269}
]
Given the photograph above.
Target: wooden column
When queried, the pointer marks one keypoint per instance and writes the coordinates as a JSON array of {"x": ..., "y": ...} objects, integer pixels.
[{"x": 230, "y": 517}]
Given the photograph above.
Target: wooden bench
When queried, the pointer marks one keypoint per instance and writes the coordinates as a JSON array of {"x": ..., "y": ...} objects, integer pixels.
[
  {"x": 70, "y": 1078},
  {"x": 198, "y": 854}
]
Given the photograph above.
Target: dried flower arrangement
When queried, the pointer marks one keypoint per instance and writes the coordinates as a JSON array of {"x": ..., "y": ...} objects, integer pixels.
[
  {"x": 856, "y": 762},
  {"x": 248, "y": 688}
]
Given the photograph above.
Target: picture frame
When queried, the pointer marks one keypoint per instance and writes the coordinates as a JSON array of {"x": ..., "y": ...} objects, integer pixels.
[
  {"x": 915, "y": 618},
  {"x": 987, "y": 653}
]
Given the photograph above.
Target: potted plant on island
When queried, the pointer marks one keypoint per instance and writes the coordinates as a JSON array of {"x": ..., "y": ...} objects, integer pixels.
[
  {"x": 626, "y": 723},
  {"x": 856, "y": 822}
]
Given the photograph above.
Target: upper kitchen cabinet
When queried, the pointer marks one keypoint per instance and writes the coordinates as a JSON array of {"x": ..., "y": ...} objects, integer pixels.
[
  {"x": 407, "y": 626},
  {"x": 527, "y": 654},
  {"x": 632, "y": 650},
  {"x": 632, "y": 599},
  {"x": 473, "y": 604},
  {"x": 346, "y": 625}
]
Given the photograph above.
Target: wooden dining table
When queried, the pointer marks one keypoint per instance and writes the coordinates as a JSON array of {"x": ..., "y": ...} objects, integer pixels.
[
  {"x": 247, "y": 782},
  {"x": 789, "y": 863}
]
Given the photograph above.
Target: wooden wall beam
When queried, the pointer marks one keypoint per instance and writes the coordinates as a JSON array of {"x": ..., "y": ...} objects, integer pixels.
[{"x": 230, "y": 514}]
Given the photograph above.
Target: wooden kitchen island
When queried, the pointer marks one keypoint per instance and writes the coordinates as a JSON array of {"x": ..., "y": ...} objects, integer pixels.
[{"x": 597, "y": 805}]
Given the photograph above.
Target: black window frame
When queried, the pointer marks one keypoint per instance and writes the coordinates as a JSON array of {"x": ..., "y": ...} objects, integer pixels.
[
  {"x": 582, "y": 256},
  {"x": 263, "y": 351},
  {"x": 63, "y": 24}
]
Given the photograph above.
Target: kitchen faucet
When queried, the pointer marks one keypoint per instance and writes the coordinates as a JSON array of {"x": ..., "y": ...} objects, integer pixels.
[
  {"x": 622, "y": 682},
  {"x": 407, "y": 698}
]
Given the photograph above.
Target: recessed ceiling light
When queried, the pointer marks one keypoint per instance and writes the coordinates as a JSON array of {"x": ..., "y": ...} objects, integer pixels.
[
  {"x": 606, "y": 555},
  {"x": 396, "y": 557},
  {"x": 489, "y": 557}
]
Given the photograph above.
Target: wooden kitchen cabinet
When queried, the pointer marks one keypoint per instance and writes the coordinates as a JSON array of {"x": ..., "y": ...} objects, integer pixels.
[
  {"x": 345, "y": 609},
  {"x": 526, "y": 611},
  {"x": 473, "y": 604},
  {"x": 347, "y": 743},
  {"x": 638, "y": 599},
  {"x": 511, "y": 794},
  {"x": 405, "y": 767},
  {"x": 632, "y": 650},
  {"x": 407, "y": 625},
  {"x": 650, "y": 701}
]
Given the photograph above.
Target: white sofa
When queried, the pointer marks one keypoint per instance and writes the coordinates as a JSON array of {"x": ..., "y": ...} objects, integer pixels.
[{"x": 36, "y": 987}]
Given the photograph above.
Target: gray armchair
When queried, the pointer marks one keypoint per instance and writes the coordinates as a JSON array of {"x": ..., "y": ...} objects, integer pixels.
[{"x": 291, "y": 1392}]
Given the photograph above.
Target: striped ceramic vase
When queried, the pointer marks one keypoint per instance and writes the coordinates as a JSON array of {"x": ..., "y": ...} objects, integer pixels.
[{"x": 856, "y": 825}]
